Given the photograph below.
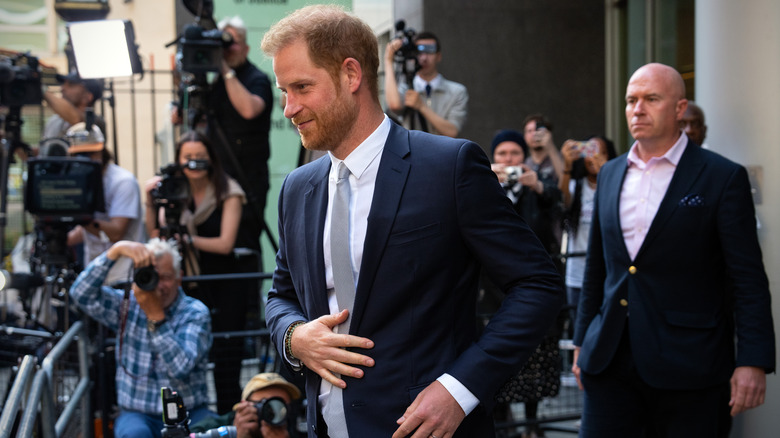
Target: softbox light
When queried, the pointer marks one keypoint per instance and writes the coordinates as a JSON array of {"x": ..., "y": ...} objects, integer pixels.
[{"x": 104, "y": 48}]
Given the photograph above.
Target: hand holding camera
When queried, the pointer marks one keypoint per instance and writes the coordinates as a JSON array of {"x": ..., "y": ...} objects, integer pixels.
[
  {"x": 269, "y": 417},
  {"x": 542, "y": 137},
  {"x": 145, "y": 278},
  {"x": 573, "y": 150},
  {"x": 570, "y": 152}
]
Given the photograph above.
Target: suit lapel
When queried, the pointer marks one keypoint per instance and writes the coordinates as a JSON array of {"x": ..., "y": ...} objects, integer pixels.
[
  {"x": 315, "y": 207},
  {"x": 390, "y": 183},
  {"x": 688, "y": 170},
  {"x": 611, "y": 187}
]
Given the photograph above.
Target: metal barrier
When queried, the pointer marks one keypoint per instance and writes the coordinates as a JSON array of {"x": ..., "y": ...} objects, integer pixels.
[
  {"x": 42, "y": 392},
  {"x": 15, "y": 395}
]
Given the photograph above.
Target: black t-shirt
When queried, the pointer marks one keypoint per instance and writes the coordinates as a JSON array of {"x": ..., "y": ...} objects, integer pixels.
[
  {"x": 248, "y": 141},
  {"x": 248, "y": 138}
]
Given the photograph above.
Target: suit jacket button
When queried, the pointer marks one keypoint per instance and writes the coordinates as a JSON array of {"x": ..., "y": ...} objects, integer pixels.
[
  {"x": 624, "y": 302},
  {"x": 632, "y": 270}
]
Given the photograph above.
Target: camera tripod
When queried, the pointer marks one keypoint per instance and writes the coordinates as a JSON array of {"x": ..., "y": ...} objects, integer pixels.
[{"x": 203, "y": 111}]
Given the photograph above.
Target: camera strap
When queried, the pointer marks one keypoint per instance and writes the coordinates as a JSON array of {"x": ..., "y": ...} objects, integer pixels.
[{"x": 124, "y": 310}]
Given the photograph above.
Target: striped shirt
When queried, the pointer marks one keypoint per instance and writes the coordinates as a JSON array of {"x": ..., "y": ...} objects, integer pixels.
[{"x": 175, "y": 355}]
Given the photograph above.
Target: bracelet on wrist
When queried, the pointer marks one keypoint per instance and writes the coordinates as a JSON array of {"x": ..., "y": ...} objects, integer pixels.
[{"x": 288, "y": 339}]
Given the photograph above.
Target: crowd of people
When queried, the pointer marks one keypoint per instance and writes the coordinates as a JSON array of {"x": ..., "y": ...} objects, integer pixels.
[{"x": 414, "y": 312}]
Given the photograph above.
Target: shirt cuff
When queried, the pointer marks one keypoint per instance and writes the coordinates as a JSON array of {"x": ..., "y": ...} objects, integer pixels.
[{"x": 460, "y": 393}]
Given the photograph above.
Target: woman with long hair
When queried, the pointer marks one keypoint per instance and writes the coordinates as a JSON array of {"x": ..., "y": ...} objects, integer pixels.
[
  {"x": 206, "y": 229},
  {"x": 582, "y": 162}
]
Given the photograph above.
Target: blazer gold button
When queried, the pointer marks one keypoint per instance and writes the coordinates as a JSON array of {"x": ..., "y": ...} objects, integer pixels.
[
  {"x": 632, "y": 270},
  {"x": 624, "y": 302}
]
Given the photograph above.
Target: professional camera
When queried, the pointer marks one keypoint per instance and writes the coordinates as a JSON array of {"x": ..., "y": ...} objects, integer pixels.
[
  {"x": 146, "y": 278},
  {"x": 408, "y": 48},
  {"x": 20, "y": 80},
  {"x": 271, "y": 410},
  {"x": 172, "y": 192},
  {"x": 64, "y": 189},
  {"x": 175, "y": 417},
  {"x": 201, "y": 49}
]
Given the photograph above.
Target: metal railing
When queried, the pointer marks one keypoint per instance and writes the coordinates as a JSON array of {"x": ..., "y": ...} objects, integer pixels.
[{"x": 41, "y": 393}]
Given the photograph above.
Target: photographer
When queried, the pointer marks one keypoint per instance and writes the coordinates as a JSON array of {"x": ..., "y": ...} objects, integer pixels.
[
  {"x": 209, "y": 224},
  {"x": 240, "y": 102},
  {"x": 163, "y": 336},
  {"x": 70, "y": 108},
  {"x": 122, "y": 217},
  {"x": 583, "y": 161},
  {"x": 529, "y": 195},
  {"x": 245, "y": 416},
  {"x": 442, "y": 103}
]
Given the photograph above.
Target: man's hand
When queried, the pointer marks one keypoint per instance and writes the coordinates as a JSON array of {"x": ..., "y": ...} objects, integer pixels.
[
  {"x": 748, "y": 388},
  {"x": 324, "y": 352},
  {"x": 543, "y": 137},
  {"x": 500, "y": 171},
  {"x": 390, "y": 50},
  {"x": 246, "y": 421},
  {"x": 529, "y": 178},
  {"x": 413, "y": 99},
  {"x": 570, "y": 153},
  {"x": 138, "y": 252},
  {"x": 575, "y": 368},
  {"x": 434, "y": 412}
]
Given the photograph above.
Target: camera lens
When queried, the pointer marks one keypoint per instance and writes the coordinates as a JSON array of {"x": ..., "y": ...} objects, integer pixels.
[
  {"x": 273, "y": 411},
  {"x": 146, "y": 278}
]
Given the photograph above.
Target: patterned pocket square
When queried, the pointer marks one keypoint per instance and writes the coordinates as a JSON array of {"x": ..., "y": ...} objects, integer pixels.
[{"x": 692, "y": 201}]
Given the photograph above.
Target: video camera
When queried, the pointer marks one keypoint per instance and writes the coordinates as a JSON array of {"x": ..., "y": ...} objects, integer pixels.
[
  {"x": 20, "y": 80},
  {"x": 172, "y": 192},
  {"x": 61, "y": 192},
  {"x": 408, "y": 48},
  {"x": 64, "y": 189},
  {"x": 406, "y": 55},
  {"x": 201, "y": 49}
]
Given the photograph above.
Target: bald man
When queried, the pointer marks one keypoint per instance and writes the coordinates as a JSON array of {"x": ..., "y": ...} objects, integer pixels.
[{"x": 673, "y": 275}]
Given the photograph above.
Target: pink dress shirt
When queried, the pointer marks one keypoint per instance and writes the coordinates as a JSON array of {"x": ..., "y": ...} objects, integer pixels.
[{"x": 643, "y": 190}]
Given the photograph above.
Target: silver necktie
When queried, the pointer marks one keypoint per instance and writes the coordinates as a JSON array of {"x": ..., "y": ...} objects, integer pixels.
[{"x": 344, "y": 285}]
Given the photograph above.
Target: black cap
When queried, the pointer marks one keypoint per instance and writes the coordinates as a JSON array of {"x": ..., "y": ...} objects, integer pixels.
[
  {"x": 94, "y": 86},
  {"x": 509, "y": 135}
]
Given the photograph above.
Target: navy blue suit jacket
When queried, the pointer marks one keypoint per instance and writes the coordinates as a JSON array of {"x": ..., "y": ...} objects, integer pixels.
[
  {"x": 438, "y": 213},
  {"x": 697, "y": 279}
]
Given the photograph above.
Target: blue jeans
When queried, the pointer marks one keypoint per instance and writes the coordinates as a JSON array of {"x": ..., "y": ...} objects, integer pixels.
[{"x": 131, "y": 424}]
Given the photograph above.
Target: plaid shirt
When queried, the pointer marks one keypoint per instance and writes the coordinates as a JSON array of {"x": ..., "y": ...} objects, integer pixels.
[{"x": 175, "y": 355}]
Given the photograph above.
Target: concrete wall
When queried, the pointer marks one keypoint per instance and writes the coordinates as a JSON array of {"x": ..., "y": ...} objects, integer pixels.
[
  {"x": 737, "y": 71},
  {"x": 520, "y": 57}
]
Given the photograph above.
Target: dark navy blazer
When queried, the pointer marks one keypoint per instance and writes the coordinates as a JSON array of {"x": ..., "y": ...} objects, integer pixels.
[
  {"x": 697, "y": 279},
  {"x": 437, "y": 215}
]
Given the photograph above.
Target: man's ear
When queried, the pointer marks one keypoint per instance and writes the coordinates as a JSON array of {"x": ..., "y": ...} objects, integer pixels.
[
  {"x": 682, "y": 105},
  {"x": 353, "y": 73}
]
